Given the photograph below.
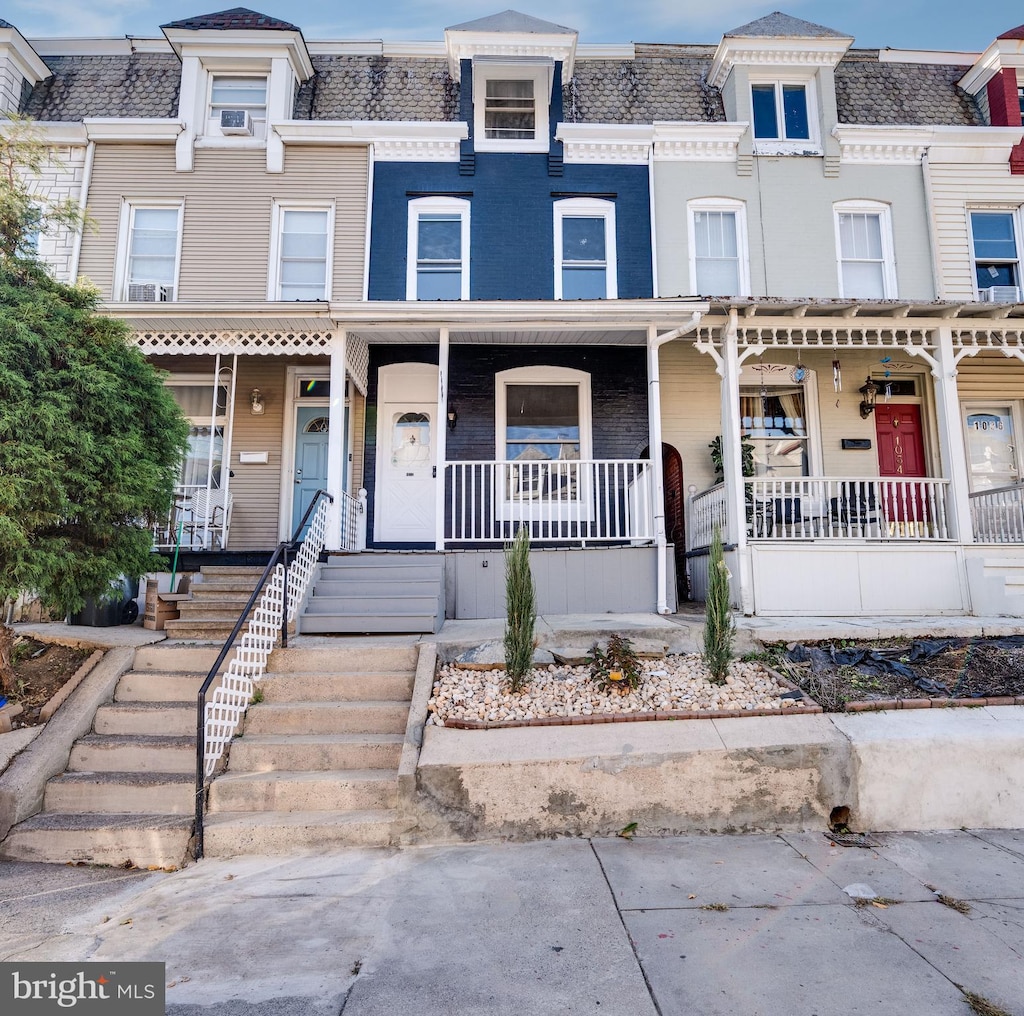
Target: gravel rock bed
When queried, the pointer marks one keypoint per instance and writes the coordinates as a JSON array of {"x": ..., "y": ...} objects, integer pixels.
[{"x": 675, "y": 683}]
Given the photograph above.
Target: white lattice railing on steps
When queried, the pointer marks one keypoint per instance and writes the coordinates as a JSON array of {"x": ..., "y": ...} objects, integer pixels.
[{"x": 232, "y": 696}]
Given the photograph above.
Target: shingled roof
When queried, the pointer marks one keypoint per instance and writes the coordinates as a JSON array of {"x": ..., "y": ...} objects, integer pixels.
[
  {"x": 237, "y": 17},
  {"x": 511, "y": 21},
  {"x": 1013, "y": 33},
  {"x": 779, "y": 25}
]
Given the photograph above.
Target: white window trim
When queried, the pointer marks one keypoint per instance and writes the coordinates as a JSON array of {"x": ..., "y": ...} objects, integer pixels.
[
  {"x": 540, "y": 73},
  {"x": 542, "y": 375},
  {"x": 435, "y": 206},
  {"x": 212, "y": 129},
  {"x": 778, "y": 375},
  {"x": 742, "y": 248},
  {"x": 274, "y": 271},
  {"x": 787, "y": 146},
  {"x": 884, "y": 213},
  {"x": 1014, "y": 211},
  {"x": 588, "y": 208},
  {"x": 124, "y": 234}
]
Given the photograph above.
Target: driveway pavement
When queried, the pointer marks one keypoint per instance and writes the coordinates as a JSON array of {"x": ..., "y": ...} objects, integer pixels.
[{"x": 694, "y": 926}]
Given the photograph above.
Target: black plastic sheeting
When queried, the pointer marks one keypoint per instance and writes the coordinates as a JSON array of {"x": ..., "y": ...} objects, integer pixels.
[{"x": 896, "y": 660}]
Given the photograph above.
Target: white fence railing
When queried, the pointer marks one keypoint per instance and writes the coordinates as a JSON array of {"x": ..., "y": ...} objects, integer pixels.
[
  {"x": 231, "y": 698},
  {"x": 997, "y": 515},
  {"x": 200, "y": 519},
  {"x": 707, "y": 510},
  {"x": 562, "y": 501}
]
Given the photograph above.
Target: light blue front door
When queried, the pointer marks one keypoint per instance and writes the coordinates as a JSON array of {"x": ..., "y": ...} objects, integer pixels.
[{"x": 310, "y": 458}]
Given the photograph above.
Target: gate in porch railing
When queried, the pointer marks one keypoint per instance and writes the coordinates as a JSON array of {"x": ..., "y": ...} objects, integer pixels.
[{"x": 562, "y": 501}]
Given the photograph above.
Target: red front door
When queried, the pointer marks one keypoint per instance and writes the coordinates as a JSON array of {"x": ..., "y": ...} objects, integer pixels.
[{"x": 901, "y": 456}]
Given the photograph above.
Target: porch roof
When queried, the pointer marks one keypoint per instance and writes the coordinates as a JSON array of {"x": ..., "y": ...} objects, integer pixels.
[{"x": 934, "y": 310}]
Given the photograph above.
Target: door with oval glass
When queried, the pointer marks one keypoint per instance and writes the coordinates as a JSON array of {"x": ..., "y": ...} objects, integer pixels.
[
  {"x": 407, "y": 454},
  {"x": 311, "y": 436}
]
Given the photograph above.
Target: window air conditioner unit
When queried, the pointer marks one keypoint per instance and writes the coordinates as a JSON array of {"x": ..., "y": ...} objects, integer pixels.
[
  {"x": 149, "y": 292},
  {"x": 235, "y": 121},
  {"x": 1000, "y": 294}
]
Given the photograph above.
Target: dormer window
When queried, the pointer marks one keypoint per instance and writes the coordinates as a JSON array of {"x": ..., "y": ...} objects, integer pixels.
[
  {"x": 510, "y": 104},
  {"x": 780, "y": 111},
  {"x": 510, "y": 110},
  {"x": 238, "y": 105}
]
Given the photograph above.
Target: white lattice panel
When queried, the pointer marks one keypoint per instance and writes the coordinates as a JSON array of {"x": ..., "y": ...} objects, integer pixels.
[
  {"x": 357, "y": 352},
  {"x": 269, "y": 343},
  {"x": 231, "y": 698}
]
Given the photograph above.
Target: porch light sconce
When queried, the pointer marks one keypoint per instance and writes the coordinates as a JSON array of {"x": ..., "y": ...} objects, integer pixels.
[
  {"x": 256, "y": 404},
  {"x": 453, "y": 417},
  {"x": 867, "y": 406}
]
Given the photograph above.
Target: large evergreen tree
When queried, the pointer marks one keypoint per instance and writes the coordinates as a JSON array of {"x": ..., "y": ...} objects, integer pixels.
[{"x": 90, "y": 440}]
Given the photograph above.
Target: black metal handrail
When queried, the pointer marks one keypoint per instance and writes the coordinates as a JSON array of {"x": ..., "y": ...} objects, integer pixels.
[{"x": 280, "y": 555}]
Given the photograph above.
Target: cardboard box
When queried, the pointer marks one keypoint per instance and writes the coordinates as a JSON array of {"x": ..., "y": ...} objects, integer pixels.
[{"x": 160, "y": 607}]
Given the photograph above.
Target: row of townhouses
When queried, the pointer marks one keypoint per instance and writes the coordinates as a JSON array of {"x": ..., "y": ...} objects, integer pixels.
[{"x": 619, "y": 294}]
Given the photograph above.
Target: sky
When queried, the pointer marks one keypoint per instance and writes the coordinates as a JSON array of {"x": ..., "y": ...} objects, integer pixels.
[{"x": 900, "y": 24}]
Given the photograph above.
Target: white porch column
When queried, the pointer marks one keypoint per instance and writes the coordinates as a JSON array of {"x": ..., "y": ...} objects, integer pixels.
[
  {"x": 336, "y": 443},
  {"x": 732, "y": 464},
  {"x": 657, "y": 467},
  {"x": 951, "y": 442},
  {"x": 441, "y": 439}
]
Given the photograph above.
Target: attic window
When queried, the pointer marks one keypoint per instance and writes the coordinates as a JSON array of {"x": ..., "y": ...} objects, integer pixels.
[
  {"x": 245, "y": 95},
  {"x": 784, "y": 115},
  {"x": 510, "y": 106},
  {"x": 510, "y": 110}
]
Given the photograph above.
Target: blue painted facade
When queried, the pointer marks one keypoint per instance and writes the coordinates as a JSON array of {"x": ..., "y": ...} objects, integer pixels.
[{"x": 511, "y": 200}]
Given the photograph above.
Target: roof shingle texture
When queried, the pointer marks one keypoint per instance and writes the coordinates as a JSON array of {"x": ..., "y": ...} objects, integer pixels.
[
  {"x": 1013, "y": 33},
  {"x": 779, "y": 24},
  {"x": 378, "y": 88},
  {"x": 869, "y": 92},
  {"x": 143, "y": 84},
  {"x": 237, "y": 17},
  {"x": 661, "y": 83}
]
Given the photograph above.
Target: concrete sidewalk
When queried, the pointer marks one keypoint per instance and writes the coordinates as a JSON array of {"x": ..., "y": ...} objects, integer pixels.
[{"x": 688, "y": 925}]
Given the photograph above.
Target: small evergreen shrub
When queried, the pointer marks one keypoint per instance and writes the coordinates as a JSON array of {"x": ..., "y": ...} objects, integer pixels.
[
  {"x": 521, "y": 609},
  {"x": 719, "y": 631}
]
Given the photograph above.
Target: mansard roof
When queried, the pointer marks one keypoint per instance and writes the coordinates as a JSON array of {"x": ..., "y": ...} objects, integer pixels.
[
  {"x": 779, "y": 25},
  {"x": 237, "y": 17},
  {"x": 511, "y": 21}
]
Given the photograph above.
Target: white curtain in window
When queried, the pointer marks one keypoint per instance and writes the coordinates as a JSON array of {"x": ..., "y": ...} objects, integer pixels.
[
  {"x": 717, "y": 253},
  {"x": 860, "y": 242}
]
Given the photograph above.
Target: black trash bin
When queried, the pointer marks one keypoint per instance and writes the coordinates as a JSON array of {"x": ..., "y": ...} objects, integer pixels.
[{"x": 119, "y": 608}]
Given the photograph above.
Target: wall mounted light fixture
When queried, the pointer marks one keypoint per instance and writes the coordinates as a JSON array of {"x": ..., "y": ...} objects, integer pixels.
[
  {"x": 453, "y": 417},
  {"x": 256, "y": 404},
  {"x": 869, "y": 390}
]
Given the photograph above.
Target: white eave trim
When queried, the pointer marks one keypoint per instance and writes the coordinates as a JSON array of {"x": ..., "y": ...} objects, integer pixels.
[
  {"x": 926, "y": 56},
  {"x": 510, "y": 46},
  {"x": 135, "y": 128},
  {"x": 393, "y": 141},
  {"x": 123, "y": 45},
  {"x": 624, "y": 144},
  {"x": 681, "y": 141},
  {"x": 889, "y": 145},
  {"x": 26, "y": 59},
  {"x": 775, "y": 52},
  {"x": 242, "y": 45},
  {"x": 55, "y": 132},
  {"x": 1002, "y": 53}
]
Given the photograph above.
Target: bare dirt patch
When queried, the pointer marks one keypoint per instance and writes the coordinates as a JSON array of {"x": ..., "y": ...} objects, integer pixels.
[
  {"x": 837, "y": 674},
  {"x": 40, "y": 671}
]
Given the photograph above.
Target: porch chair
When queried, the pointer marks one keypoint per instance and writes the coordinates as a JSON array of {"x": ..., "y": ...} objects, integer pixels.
[
  {"x": 855, "y": 508},
  {"x": 207, "y": 517},
  {"x": 787, "y": 513}
]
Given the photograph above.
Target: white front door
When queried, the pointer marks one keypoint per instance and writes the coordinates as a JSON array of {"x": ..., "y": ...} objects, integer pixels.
[{"x": 407, "y": 453}]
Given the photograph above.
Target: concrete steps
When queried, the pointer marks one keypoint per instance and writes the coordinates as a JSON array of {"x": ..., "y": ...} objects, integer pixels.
[
  {"x": 128, "y": 795},
  {"x": 317, "y": 763},
  {"x": 214, "y": 604},
  {"x": 377, "y": 593}
]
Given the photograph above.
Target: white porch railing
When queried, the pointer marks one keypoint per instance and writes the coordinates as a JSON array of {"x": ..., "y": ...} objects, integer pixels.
[
  {"x": 200, "y": 519},
  {"x": 841, "y": 508},
  {"x": 562, "y": 501},
  {"x": 353, "y": 521},
  {"x": 707, "y": 510},
  {"x": 997, "y": 515}
]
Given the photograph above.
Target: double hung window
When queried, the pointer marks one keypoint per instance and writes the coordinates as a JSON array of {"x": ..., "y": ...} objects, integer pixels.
[
  {"x": 510, "y": 105},
  {"x": 151, "y": 242},
  {"x": 585, "y": 266},
  {"x": 718, "y": 248},
  {"x": 438, "y": 252},
  {"x": 864, "y": 240},
  {"x": 241, "y": 94},
  {"x": 996, "y": 255},
  {"x": 303, "y": 254},
  {"x": 510, "y": 110}
]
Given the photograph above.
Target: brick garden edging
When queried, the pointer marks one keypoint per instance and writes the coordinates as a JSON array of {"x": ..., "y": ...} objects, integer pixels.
[
  {"x": 809, "y": 707},
  {"x": 879, "y": 705}
]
